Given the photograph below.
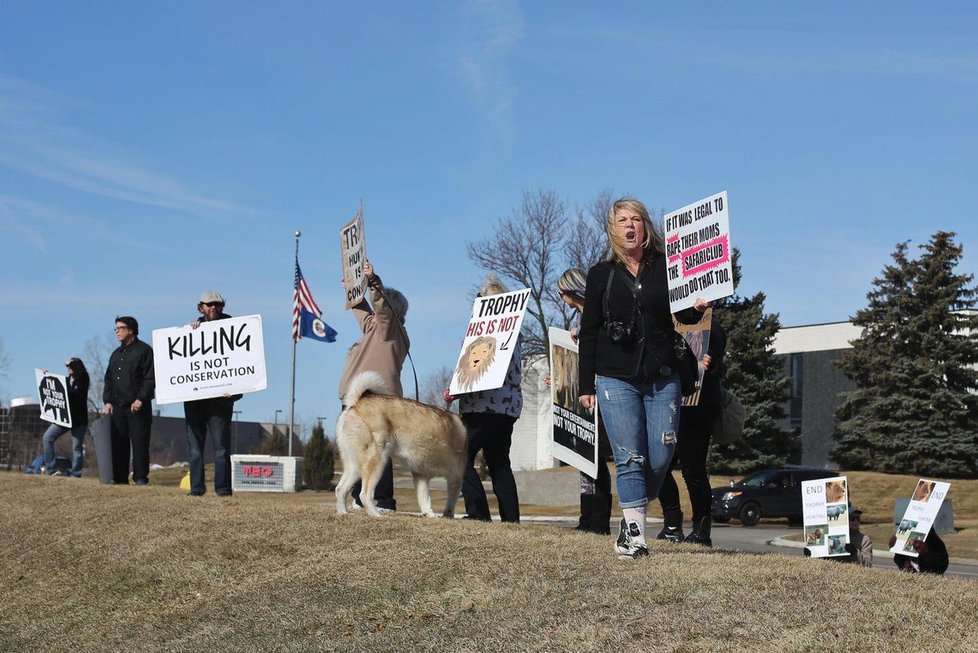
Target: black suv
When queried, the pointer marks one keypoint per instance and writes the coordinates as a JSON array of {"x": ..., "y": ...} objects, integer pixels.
[{"x": 770, "y": 493}]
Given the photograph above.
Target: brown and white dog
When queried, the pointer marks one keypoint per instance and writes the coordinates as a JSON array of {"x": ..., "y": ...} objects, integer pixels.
[{"x": 377, "y": 426}]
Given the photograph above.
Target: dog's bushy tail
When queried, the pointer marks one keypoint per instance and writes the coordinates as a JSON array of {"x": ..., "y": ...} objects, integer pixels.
[{"x": 363, "y": 383}]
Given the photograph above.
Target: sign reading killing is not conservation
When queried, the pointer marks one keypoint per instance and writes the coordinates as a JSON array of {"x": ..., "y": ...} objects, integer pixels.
[
  {"x": 52, "y": 392},
  {"x": 698, "y": 254},
  {"x": 217, "y": 358}
]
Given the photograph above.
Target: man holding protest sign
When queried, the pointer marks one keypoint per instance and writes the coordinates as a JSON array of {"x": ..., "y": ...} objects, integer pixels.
[
  {"x": 382, "y": 349},
  {"x": 129, "y": 388},
  {"x": 211, "y": 416}
]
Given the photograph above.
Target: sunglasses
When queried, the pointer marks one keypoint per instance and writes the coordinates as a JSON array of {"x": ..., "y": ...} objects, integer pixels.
[{"x": 213, "y": 304}]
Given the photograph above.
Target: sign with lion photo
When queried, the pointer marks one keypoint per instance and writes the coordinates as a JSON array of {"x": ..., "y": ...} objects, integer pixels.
[{"x": 490, "y": 340}]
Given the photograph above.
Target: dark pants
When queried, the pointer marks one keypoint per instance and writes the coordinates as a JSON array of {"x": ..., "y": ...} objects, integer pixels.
[
  {"x": 493, "y": 435},
  {"x": 209, "y": 416},
  {"x": 695, "y": 430},
  {"x": 130, "y": 434}
]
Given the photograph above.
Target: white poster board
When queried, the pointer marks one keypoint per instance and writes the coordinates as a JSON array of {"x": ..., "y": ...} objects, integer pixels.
[
  {"x": 489, "y": 342},
  {"x": 825, "y": 507},
  {"x": 575, "y": 428},
  {"x": 353, "y": 250},
  {"x": 698, "y": 254},
  {"x": 920, "y": 515},
  {"x": 217, "y": 358},
  {"x": 52, "y": 395}
]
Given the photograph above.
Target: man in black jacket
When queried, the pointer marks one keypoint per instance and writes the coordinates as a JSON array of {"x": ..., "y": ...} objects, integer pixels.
[
  {"x": 130, "y": 384},
  {"x": 211, "y": 416}
]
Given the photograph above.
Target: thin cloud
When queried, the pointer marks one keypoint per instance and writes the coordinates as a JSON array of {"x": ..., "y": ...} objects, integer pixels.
[
  {"x": 12, "y": 224},
  {"x": 33, "y": 141},
  {"x": 486, "y": 35},
  {"x": 33, "y": 221}
]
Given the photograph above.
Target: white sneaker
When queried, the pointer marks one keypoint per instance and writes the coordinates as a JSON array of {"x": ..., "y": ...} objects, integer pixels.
[{"x": 625, "y": 545}]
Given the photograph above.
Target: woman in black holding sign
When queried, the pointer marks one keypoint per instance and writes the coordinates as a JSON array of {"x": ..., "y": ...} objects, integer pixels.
[
  {"x": 695, "y": 431},
  {"x": 78, "y": 383},
  {"x": 595, "y": 492},
  {"x": 629, "y": 363}
]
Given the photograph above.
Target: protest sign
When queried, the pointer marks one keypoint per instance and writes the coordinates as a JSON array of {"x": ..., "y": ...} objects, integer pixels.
[
  {"x": 825, "y": 507},
  {"x": 920, "y": 515},
  {"x": 698, "y": 255},
  {"x": 353, "y": 250},
  {"x": 575, "y": 430},
  {"x": 698, "y": 337},
  {"x": 52, "y": 394},
  {"x": 217, "y": 358},
  {"x": 489, "y": 342}
]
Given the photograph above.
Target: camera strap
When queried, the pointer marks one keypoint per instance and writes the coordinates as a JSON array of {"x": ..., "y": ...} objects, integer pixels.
[{"x": 605, "y": 301}]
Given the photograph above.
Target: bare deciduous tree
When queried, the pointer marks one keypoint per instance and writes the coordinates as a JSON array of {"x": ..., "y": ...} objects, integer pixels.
[
  {"x": 534, "y": 246},
  {"x": 586, "y": 242},
  {"x": 433, "y": 386},
  {"x": 98, "y": 349},
  {"x": 525, "y": 249},
  {"x": 4, "y": 366}
]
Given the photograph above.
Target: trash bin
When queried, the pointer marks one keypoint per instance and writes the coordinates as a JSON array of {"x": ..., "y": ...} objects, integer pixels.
[{"x": 102, "y": 435}]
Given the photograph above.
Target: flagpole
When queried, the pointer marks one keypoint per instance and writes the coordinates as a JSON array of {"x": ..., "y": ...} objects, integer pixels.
[{"x": 298, "y": 234}]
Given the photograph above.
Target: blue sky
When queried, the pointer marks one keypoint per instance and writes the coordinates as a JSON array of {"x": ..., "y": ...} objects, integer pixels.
[{"x": 150, "y": 151}]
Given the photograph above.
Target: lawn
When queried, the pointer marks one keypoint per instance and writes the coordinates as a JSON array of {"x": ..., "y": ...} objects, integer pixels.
[{"x": 94, "y": 568}]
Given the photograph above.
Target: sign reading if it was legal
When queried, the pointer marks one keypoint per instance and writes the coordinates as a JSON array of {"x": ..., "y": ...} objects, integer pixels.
[{"x": 698, "y": 254}]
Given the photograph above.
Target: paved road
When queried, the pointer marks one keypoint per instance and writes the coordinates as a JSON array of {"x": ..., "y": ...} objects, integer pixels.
[{"x": 733, "y": 537}]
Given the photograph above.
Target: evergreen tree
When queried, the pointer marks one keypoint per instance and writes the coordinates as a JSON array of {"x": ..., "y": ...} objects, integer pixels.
[
  {"x": 914, "y": 411},
  {"x": 756, "y": 376},
  {"x": 275, "y": 444},
  {"x": 317, "y": 465}
]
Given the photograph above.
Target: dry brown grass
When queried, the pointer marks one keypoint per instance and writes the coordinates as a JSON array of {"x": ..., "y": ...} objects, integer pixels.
[{"x": 93, "y": 568}]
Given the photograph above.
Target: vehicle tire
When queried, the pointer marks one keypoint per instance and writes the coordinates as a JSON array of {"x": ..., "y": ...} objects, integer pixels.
[
  {"x": 721, "y": 520},
  {"x": 750, "y": 514}
]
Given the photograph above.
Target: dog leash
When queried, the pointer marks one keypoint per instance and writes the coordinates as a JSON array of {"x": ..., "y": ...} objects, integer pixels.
[{"x": 417, "y": 394}]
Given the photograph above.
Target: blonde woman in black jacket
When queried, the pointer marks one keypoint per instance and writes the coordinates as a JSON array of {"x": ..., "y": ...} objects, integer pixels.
[{"x": 628, "y": 364}]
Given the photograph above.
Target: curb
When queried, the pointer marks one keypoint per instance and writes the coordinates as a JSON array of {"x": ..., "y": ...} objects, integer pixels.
[{"x": 792, "y": 544}]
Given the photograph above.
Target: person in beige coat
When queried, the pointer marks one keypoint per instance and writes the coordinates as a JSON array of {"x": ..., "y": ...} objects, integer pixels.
[{"x": 382, "y": 349}]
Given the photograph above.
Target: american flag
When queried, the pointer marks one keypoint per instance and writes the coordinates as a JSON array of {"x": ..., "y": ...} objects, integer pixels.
[{"x": 302, "y": 300}]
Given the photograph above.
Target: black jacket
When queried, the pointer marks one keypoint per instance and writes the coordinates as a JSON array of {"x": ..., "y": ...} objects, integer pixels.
[
  {"x": 130, "y": 375},
  {"x": 643, "y": 356},
  {"x": 78, "y": 401}
]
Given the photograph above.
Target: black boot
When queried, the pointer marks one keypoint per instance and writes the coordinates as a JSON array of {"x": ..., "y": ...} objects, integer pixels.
[
  {"x": 587, "y": 505},
  {"x": 601, "y": 514},
  {"x": 701, "y": 532},
  {"x": 672, "y": 530}
]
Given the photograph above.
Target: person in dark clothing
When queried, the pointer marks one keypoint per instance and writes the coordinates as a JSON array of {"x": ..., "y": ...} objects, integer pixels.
[
  {"x": 210, "y": 416},
  {"x": 129, "y": 388},
  {"x": 489, "y": 417},
  {"x": 629, "y": 363},
  {"x": 695, "y": 431},
  {"x": 78, "y": 384},
  {"x": 595, "y": 492},
  {"x": 931, "y": 556}
]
